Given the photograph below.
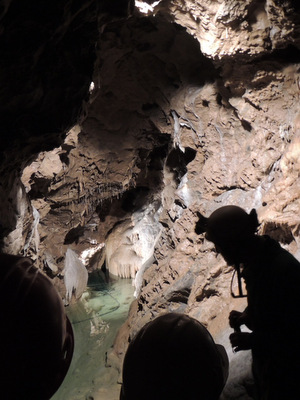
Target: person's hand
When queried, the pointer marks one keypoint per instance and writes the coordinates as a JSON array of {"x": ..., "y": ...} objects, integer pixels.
[
  {"x": 235, "y": 319},
  {"x": 241, "y": 341}
]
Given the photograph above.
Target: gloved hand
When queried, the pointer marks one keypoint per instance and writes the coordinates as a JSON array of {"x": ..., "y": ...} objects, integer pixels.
[
  {"x": 237, "y": 319},
  {"x": 241, "y": 341}
]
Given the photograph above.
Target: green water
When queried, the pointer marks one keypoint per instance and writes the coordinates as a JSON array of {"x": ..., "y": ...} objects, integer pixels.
[{"x": 96, "y": 320}]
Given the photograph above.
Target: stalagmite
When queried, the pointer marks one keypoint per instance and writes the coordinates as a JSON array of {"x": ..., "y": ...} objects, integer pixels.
[{"x": 76, "y": 276}]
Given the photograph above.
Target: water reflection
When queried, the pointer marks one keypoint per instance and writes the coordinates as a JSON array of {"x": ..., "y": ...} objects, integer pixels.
[{"x": 95, "y": 320}]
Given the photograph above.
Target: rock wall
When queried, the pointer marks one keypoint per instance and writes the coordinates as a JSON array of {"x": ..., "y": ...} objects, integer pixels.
[
  {"x": 234, "y": 125},
  {"x": 192, "y": 106}
]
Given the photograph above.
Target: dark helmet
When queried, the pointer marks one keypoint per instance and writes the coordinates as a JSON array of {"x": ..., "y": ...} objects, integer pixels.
[
  {"x": 174, "y": 357},
  {"x": 227, "y": 223},
  {"x": 36, "y": 336}
]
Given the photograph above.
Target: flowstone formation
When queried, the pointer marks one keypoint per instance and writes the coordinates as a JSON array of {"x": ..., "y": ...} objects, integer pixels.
[{"x": 191, "y": 106}]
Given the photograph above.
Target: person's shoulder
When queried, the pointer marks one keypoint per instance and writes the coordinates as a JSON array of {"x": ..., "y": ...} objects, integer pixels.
[
  {"x": 266, "y": 247},
  {"x": 272, "y": 249},
  {"x": 266, "y": 240},
  {"x": 269, "y": 245}
]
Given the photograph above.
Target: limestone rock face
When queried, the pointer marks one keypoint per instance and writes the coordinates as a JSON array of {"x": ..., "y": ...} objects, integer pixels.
[
  {"x": 236, "y": 28},
  {"x": 46, "y": 66},
  {"x": 17, "y": 212},
  {"x": 241, "y": 121},
  {"x": 193, "y": 105}
]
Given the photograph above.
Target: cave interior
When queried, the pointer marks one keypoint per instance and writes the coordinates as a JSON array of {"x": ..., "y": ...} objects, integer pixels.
[{"x": 120, "y": 120}]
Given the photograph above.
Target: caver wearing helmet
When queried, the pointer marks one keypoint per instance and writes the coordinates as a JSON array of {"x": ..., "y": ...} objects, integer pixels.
[
  {"x": 36, "y": 343},
  {"x": 174, "y": 357},
  {"x": 227, "y": 228},
  {"x": 272, "y": 277}
]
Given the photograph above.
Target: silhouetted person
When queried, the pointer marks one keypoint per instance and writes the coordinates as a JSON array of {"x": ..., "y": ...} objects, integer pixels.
[
  {"x": 174, "y": 357},
  {"x": 272, "y": 277},
  {"x": 36, "y": 338}
]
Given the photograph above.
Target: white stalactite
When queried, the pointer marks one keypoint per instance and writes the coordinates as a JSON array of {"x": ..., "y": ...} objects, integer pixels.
[{"x": 34, "y": 234}]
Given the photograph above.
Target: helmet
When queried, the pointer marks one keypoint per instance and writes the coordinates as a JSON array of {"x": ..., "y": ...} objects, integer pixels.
[
  {"x": 227, "y": 223},
  {"x": 36, "y": 344},
  {"x": 174, "y": 357}
]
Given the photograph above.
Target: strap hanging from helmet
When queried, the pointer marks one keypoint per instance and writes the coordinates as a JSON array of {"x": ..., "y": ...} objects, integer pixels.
[{"x": 237, "y": 270}]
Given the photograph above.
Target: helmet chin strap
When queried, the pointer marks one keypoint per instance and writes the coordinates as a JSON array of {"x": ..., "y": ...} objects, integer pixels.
[{"x": 237, "y": 270}]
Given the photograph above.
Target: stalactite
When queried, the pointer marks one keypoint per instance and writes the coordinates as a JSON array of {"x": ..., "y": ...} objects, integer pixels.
[{"x": 34, "y": 234}]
